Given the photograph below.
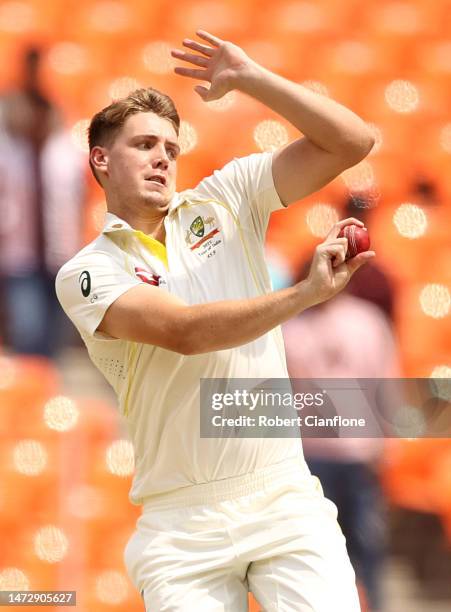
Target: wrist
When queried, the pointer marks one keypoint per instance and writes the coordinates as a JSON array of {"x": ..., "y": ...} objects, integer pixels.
[
  {"x": 308, "y": 297},
  {"x": 248, "y": 77}
]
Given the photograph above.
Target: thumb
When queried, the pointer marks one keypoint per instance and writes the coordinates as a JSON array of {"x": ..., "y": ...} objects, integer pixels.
[
  {"x": 357, "y": 262},
  {"x": 202, "y": 91}
]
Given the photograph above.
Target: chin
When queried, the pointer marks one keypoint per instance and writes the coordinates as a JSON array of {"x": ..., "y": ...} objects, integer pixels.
[{"x": 156, "y": 198}]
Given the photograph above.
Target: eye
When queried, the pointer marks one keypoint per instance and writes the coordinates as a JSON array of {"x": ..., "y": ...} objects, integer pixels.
[
  {"x": 172, "y": 154},
  {"x": 143, "y": 146}
]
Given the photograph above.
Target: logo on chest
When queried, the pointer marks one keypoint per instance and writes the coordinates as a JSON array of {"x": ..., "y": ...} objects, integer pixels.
[
  {"x": 201, "y": 237},
  {"x": 148, "y": 277}
]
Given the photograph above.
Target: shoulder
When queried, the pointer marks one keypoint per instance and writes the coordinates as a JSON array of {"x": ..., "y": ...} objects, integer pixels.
[
  {"x": 235, "y": 174},
  {"x": 246, "y": 186},
  {"x": 100, "y": 252}
]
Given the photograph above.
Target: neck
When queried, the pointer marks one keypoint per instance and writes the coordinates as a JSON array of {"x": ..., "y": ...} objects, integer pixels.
[
  {"x": 152, "y": 227},
  {"x": 148, "y": 222}
]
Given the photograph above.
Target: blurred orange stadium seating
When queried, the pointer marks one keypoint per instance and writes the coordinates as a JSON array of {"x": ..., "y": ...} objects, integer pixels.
[{"x": 28, "y": 382}]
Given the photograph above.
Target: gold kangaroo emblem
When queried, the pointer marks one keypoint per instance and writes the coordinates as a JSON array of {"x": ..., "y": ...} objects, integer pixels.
[{"x": 209, "y": 221}]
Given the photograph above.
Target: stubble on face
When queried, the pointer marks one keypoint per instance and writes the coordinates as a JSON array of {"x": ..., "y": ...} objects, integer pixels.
[{"x": 142, "y": 166}]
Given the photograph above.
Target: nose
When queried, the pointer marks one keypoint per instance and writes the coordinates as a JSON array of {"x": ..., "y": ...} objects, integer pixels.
[{"x": 161, "y": 159}]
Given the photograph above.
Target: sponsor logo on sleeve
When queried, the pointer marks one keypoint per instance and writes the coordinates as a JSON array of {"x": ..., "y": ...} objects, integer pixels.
[{"x": 85, "y": 283}]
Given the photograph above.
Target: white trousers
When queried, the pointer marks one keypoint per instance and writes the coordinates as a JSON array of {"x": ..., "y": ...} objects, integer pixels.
[{"x": 271, "y": 532}]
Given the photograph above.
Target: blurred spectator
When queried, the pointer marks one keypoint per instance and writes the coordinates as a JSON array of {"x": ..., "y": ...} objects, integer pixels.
[
  {"x": 348, "y": 337},
  {"x": 425, "y": 192},
  {"x": 372, "y": 284},
  {"x": 42, "y": 185}
]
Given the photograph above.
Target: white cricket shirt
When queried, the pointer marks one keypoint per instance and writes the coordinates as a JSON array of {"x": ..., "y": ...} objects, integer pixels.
[{"x": 215, "y": 251}]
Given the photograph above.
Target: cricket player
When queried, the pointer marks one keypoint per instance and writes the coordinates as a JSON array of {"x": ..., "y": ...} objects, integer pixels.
[{"x": 175, "y": 289}]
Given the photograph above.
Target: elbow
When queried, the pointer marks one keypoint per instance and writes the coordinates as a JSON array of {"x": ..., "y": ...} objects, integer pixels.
[
  {"x": 176, "y": 332},
  {"x": 186, "y": 340},
  {"x": 368, "y": 141},
  {"x": 359, "y": 148},
  {"x": 193, "y": 343},
  {"x": 182, "y": 334},
  {"x": 188, "y": 351},
  {"x": 186, "y": 347},
  {"x": 180, "y": 343},
  {"x": 190, "y": 346}
]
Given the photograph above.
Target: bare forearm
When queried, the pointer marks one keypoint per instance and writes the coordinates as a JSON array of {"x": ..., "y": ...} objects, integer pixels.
[
  {"x": 149, "y": 315},
  {"x": 326, "y": 123},
  {"x": 232, "y": 323}
]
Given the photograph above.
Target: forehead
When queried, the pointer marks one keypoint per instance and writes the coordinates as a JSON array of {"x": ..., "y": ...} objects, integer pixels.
[{"x": 148, "y": 123}]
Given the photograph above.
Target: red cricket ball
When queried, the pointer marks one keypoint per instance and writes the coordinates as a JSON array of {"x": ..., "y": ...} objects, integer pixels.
[{"x": 358, "y": 239}]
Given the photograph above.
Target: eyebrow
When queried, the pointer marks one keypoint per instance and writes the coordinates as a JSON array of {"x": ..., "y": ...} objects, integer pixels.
[{"x": 172, "y": 143}]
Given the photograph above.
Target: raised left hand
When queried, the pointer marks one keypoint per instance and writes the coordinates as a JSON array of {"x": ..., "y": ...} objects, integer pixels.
[{"x": 221, "y": 63}]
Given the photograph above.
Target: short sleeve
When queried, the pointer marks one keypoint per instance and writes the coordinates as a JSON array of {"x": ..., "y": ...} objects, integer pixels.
[
  {"x": 247, "y": 185},
  {"x": 87, "y": 285}
]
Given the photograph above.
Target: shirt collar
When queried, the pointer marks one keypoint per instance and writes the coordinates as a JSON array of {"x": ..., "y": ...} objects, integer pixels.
[{"x": 113, "y": 223}]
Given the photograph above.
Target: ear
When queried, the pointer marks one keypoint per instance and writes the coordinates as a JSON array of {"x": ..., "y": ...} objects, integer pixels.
[{"x": 99, "y": 160}]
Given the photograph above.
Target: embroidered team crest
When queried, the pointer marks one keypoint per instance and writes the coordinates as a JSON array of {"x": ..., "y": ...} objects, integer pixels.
[
  {"x": 197, "y": 230},
  {"x": 197, "y": 227}
]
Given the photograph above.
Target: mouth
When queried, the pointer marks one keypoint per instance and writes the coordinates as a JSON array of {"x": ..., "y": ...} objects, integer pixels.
[{"x": 158, "y": 179}]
